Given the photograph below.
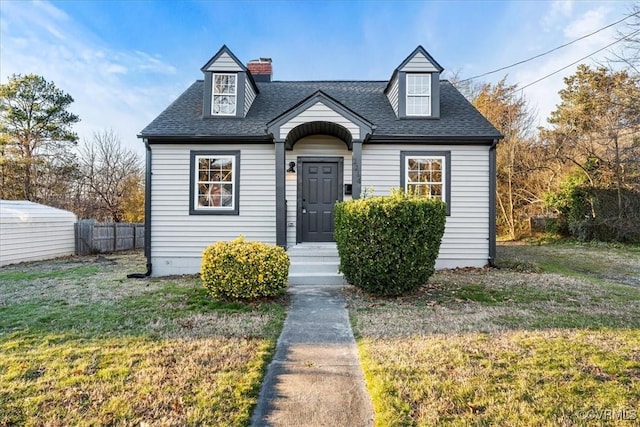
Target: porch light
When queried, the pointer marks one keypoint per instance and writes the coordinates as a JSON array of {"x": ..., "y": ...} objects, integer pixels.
[{"x": 292, "y": 167}]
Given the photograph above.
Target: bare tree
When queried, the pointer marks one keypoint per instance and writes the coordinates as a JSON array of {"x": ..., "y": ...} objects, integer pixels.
[
  {"x": 629, "y": 53},
  {"x": 112, "y": 176},
  {"x": 517, "y": 160},
  {"x": 467, "y": 87}
]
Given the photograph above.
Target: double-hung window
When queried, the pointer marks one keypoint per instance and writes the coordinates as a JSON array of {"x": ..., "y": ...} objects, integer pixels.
[
  {"x": 427, "y": 174},
  {"x": 418, "y": 94},
  {"x": 224, "y": 94},
  {"x": 214, "y": 183}
]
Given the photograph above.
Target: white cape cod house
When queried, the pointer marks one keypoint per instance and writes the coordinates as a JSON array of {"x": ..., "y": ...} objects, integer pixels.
[{"x": 239, "y": 153}]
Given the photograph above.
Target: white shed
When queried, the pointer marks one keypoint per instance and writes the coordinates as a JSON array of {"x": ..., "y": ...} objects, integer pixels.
[{"x": 30, "y": 232}]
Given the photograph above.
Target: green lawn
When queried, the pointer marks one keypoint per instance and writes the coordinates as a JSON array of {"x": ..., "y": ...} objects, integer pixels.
[
  {"x": 82, "y": 344},
  {"x": 552, "y": 340}
]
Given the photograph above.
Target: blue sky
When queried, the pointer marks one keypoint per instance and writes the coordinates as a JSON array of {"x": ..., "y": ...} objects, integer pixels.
[{"x": 125, "y": 61}]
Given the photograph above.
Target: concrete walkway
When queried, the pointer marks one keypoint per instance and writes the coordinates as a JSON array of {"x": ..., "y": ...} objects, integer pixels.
[{"x": 315, "y": 378}]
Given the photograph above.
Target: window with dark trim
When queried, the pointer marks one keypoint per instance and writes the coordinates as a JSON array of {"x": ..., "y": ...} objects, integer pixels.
[
  {"x": 224, "y": 94},
  {"x": 214, "y": 183},
  {"x": 418, "y": 95},
  {"x": 427, "y": 173}
]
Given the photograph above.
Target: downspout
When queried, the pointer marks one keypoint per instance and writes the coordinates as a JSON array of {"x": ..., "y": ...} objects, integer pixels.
[
  {"x": 492, "y": 203},
  {"x": 147, "y": 217}
]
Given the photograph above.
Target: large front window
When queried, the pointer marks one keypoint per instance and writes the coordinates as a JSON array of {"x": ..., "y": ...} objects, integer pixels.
[
  {"x": 418, "y": 95},
  {"x": 428, "y": 174},
  {"x": 224, "y": 94},
  {"x": 214, "y": 182},
  {"x": 425, "y": 176}
]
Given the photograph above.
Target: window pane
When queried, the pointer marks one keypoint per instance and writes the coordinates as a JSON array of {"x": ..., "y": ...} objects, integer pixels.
[
  {"x": 226, "y": 195},
  {"x": 418, "y": 84},
  {"x": 214, "y": 195},
  {"x": 425, "y": 177},
  {"x": 203, "y": 189},
  {"x": 215, "y": 182},
  {"x": 422, "y": 190},
  {"x": 418, "y": 105},
  {"x": 224, "y": 104},
  {"x": 224, "y": 83},
  {"x": 224, "y": 94}
]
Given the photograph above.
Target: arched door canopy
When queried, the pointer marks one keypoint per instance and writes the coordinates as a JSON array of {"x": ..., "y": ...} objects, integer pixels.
[{"x": 319, "y": 128}]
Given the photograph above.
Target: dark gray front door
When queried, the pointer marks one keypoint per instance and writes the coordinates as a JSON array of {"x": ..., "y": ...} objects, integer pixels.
[{"x": 320, "y": 190}]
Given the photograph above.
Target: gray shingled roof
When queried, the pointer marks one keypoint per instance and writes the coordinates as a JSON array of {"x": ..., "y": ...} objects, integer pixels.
[{"x": 458, "y": 118}]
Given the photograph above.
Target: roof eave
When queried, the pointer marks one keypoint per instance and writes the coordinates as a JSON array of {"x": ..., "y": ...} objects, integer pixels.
[
  {"x": 202, "y": 139},
  {"x": 434, "y": 139}
]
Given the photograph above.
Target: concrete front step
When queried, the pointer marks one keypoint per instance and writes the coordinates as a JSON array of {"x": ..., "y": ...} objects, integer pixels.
[
  {"x": 314, "y": 258},
  {"x": 314, "y": 264},
  {"x": 316, "y": 279},
  {"x": 298, "y": 266}
]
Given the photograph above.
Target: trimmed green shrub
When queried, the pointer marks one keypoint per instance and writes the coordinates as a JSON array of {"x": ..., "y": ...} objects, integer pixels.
[
  {"x": 389, "y": 245},
  {"x": 244, "y": 270}
]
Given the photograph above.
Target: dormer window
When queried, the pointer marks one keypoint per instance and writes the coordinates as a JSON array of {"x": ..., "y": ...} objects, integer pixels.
[
  {"x": 418, "y": 94},
  {"x": 229, "y": 88},
  {"x": 414, "y": 88},
  {"x": 224, "y": 94}
]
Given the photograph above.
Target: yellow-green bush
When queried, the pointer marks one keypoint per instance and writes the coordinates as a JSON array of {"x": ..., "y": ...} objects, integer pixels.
[{"x": 244, "y": 270}]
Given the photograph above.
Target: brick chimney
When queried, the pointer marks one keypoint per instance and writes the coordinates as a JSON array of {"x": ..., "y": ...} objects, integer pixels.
[{"x": 261, "y": 69}]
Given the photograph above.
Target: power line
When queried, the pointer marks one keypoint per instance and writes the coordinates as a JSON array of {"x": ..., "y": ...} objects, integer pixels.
[
  {"x": 551, "y": 50},
  {"x": 575, "y": 62}
]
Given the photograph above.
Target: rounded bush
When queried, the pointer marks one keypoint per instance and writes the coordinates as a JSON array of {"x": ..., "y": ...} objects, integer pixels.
[
  {"x": 389, "y": 245},
  {"x": 244, "y": 270}
]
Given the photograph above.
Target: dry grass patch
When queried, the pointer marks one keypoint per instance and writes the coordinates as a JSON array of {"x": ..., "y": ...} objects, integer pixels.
[
  {"x": 75, "y": 280},
  {"x": 82, "y": 344},
  {"x": 542, "y": 378},
  {"x": 62, "y": 381},
  {"x": 596, "y": 261},
  {"x": 490, "y": 300},
  {"x": 507, "y": 347}
]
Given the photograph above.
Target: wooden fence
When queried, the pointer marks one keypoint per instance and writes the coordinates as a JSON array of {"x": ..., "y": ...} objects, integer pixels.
[{"x": 94, "y": 237}]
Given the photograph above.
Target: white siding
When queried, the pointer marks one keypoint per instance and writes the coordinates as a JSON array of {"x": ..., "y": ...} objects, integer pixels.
[
  {"x": 393, "y": 94},
  {"x": 466, "y": 237},
  {"x": 419, "y": 63},
  {"x": 312, "y": 146},
  {"x": 319, "y": 112},
  {"x": 249, "y": 95},
  {"x": 224, "y": 63},
  {"x": 177, "y": 238},
  {"x": 31, "y": 232}
]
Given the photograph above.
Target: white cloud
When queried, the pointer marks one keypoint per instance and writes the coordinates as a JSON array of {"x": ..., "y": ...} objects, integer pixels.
[
  {"x": 122, "y": 90},
  {"x": 588, "y": 22},
  {"x": 116, "y": 69},
  {"x": 558, "y": 12}
]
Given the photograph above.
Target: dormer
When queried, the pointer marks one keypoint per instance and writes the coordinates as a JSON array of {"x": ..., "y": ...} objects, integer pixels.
[
  {"x": 414, "y": 87},
  {"x": 229, "y": 88}
]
